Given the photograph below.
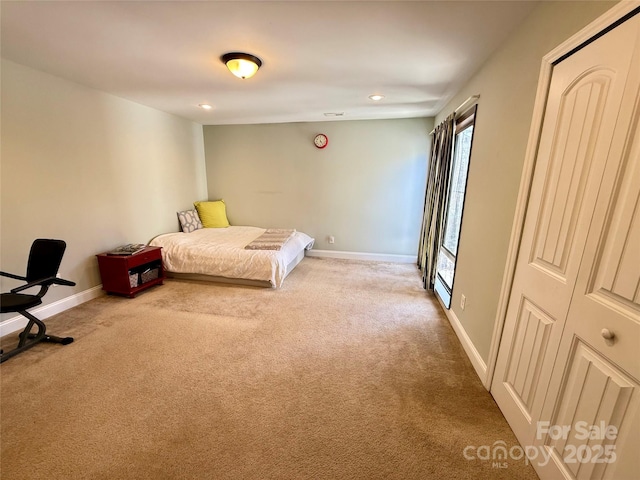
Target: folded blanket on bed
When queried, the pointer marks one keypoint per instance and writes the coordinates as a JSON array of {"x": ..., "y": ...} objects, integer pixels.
[{"x": 272, "y": 239}]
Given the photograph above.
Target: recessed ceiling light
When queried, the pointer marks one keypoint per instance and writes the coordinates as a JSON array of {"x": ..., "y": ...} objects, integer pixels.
[
  {"x": 376, "y": 97},
  {"x": 205, "y": 106},
  {"x": 334, "y": 114}
]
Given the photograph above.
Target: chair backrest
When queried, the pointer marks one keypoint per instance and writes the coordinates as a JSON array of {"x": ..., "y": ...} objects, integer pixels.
[{"x": 45, "y": 258}]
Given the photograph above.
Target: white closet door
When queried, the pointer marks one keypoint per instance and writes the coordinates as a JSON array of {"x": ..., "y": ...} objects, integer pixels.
[
  {"x": 595, "y": 378},
  {"x": 586, "y": 125}
]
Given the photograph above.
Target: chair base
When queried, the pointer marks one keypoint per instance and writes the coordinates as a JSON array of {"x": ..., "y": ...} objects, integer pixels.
[{"x": 28, "y": 339}]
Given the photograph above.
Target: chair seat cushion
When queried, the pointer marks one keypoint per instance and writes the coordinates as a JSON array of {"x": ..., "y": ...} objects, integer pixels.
[{"x": 15, "y": 302}]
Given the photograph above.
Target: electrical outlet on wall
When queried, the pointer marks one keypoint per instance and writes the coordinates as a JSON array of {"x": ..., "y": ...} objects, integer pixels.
[
  {"x": 463, "y": 301},
  {"x": 331, "y": 239}
]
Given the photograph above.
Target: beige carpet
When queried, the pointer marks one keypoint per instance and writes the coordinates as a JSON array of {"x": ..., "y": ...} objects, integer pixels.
[{"x": 350, "y": 371}]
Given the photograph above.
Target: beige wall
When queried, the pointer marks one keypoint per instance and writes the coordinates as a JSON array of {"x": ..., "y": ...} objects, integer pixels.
[
  {"x": 366, "y": 188},
  {"x": 90, "y": 168},
  {"x": 507, "y": 85}
]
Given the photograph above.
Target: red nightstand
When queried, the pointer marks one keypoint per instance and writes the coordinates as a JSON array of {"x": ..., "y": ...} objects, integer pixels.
[{"x": 130, "y": 274}]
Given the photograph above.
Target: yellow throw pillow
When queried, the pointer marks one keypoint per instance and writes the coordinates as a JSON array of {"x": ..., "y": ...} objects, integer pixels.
[{"x": 212, "y": 214}]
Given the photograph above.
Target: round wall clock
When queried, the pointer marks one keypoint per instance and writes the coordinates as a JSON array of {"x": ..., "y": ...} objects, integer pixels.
[{"x": 321, "y": 140}]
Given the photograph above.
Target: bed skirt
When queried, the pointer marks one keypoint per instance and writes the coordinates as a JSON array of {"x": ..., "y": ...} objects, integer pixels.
[{"x": 235, "y": 281}]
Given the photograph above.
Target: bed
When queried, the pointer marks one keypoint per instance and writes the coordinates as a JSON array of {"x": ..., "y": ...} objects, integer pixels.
[{"x": 219, "y": 254}]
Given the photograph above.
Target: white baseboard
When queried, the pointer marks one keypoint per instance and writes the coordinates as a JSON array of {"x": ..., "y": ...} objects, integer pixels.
[
  {"x": 476, "y": 360},
  {"x": 376, "y": 257},
  {"x": 18, "y": 322}
]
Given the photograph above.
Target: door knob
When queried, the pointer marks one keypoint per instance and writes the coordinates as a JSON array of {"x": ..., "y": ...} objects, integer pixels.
[{"x": 608, "y": 335}]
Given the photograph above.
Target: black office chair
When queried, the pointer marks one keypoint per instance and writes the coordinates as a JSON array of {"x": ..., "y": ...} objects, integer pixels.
[{"x": 44, "y": 261}]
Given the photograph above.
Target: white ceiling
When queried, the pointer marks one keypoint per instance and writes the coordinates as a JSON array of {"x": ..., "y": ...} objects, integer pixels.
[{"x": 318, "y": 56}]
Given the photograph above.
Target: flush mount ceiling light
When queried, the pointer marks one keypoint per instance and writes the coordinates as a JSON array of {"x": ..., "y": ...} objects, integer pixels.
[
  {"x": 242, "y": 65},
  {"x": 205, "y": 106},
  {"x": 376, "y": 97}
]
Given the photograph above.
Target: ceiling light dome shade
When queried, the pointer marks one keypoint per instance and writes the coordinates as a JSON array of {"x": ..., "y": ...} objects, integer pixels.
[{"x": 242, "y": 65}]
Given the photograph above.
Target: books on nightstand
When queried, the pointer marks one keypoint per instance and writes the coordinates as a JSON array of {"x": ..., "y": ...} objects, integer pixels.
[{"x": 128, "y": 249}]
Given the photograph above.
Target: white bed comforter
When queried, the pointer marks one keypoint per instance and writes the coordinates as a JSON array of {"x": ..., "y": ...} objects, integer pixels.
[{"x": 220, "y": 252}]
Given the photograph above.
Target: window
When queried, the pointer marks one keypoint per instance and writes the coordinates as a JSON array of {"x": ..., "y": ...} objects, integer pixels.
[{"x": 445, "y": 270}]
